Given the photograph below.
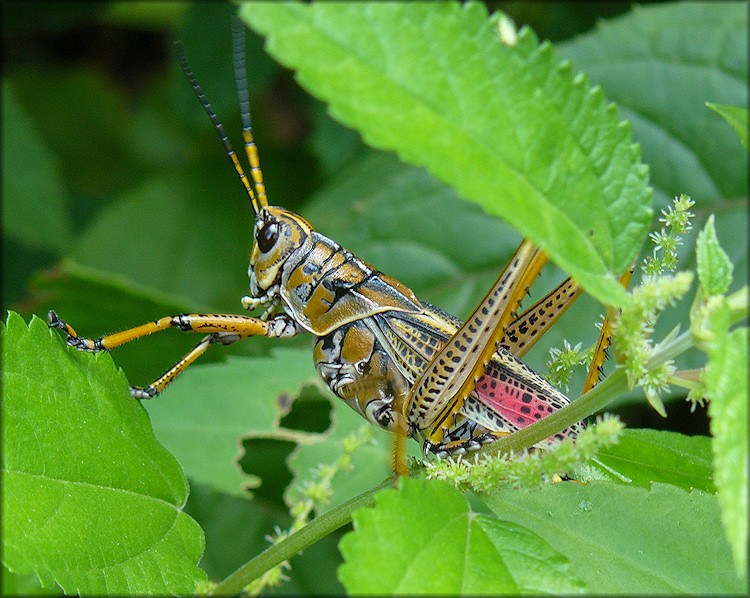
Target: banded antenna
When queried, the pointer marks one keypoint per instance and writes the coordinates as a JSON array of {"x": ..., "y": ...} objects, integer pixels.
[
  {"x": 256, "y": 204},
  {"x": 240, "y": 78}
]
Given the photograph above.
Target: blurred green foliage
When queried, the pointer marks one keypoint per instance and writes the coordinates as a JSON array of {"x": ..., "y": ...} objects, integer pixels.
[{"x": 119, "y": 205}]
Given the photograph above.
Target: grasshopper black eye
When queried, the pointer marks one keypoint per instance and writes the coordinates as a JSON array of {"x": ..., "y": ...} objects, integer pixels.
[{"x": 267, "y": 236}]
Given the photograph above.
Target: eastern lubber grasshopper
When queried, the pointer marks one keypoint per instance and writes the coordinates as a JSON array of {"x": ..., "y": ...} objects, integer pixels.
[{"x": 403, "y": 364}]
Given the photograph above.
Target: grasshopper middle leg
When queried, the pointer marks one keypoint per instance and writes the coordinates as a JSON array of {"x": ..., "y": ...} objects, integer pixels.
[{"x": 224, "y": 329}]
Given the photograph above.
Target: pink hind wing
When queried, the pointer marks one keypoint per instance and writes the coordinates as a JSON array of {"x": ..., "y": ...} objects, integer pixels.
[{"x": 518, "y": 394}]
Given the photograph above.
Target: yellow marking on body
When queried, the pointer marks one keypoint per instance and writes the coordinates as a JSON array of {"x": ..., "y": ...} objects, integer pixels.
[
  {"x": 408, "y": 355},
  {"x": 314, "y": 268},
  {"x": 349, "y": 274},
  {"x": 375, "y": 292},
  {"x": 320, "y": 253},
  {"x": 347, "y": 309},
  {"x": 400, "y": 287},
  {"x": 283, "y": 215},
  {"x": 298, "y": 278},
  {"x": 323, "y": 315},
  {"x": 358, "y": 344},
  {"x": 267, "y": 270},
  {"x": 319, "y": 355},
  {"x": 363, "y": 391}
]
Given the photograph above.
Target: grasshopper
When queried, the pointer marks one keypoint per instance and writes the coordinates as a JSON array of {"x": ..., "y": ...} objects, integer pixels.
[{"x": 403, "y": 364}]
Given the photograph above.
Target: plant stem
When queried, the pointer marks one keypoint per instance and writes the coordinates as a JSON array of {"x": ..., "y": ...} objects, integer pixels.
[
  {"x": 590, "y": 403},
  {"x": 671, "y": 349},
  {"x": 319, "y": 527}
]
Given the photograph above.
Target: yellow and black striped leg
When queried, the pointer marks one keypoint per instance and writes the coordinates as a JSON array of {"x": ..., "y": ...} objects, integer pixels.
[
  {"x": 523, "y": 333},
  {"x": 243, "y": 326},
  {"x": 600, "y": 353},
  {"x": 451, "y": 375},
  {"x": 222, "y": 328},
  {"x": 153, "y": 389}
]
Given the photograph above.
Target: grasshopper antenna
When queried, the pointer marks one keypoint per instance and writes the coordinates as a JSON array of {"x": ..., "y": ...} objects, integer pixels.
[
  {"x": 240, "y": 77},
  {"x": 219, "y": 128}
]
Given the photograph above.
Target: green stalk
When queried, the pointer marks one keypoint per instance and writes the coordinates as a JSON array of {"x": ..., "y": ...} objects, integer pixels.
[
  {"x": 593, "y": 401},
  {"x": 318, "y": 528}
]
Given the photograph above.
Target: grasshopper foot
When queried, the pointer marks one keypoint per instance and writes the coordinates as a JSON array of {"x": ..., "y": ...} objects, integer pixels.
[
  {"x": 143, "y": 393},
  {"x": 82, "y": 344}
]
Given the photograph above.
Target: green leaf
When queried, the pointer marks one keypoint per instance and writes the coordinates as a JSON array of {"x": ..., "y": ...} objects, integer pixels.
[
  {"x": 209, "y": 409},
  {"x": 660, "y": 63},
  {"x": 91, "y": 138},
  {"x": 735, "y": 116},
  {"x": 332, "y": 143},
  {"x": 628, "y": 540},
  {"x": 507, "y": 126},
  {"x": 714, "y": 267},
  {"x": 91, "y": 501},
  {"x": 643, "y": 457},
  {"x": 726, "y": 385},
  {"x": 365, "y": 206},
  {"x": 145, "y": 16},
  {"x": 177, "y": 252},
  {"x": 33, "y": 196},
  {"x": 424, "y": 539},
  {"x": 25, "y": 585}
]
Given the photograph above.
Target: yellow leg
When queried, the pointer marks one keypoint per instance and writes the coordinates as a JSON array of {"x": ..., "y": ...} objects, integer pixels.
[
  {"x": 451, "y": 374},
  {"x": 400, "y": 463},
  {"x": 222, "y": 328},
  {"x": 165, "y": 379},
  {"x": 600, "y": 353},
  {"x": 222, "y": 323},
  {"x": 523, "y": 333}
]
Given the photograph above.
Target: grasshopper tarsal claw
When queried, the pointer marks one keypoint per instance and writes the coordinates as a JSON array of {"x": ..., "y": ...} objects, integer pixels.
[
  {"x": 82, "y": 344},
  {"x": 142, "y": 393},
  {"x": 55, "y": 322}
]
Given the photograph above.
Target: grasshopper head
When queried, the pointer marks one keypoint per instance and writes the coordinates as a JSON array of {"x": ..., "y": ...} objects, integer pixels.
[{"x": 278, "y": 233}]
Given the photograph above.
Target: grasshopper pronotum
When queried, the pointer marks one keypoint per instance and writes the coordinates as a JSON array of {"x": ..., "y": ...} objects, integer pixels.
[{"x": 403, "y": 364}]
